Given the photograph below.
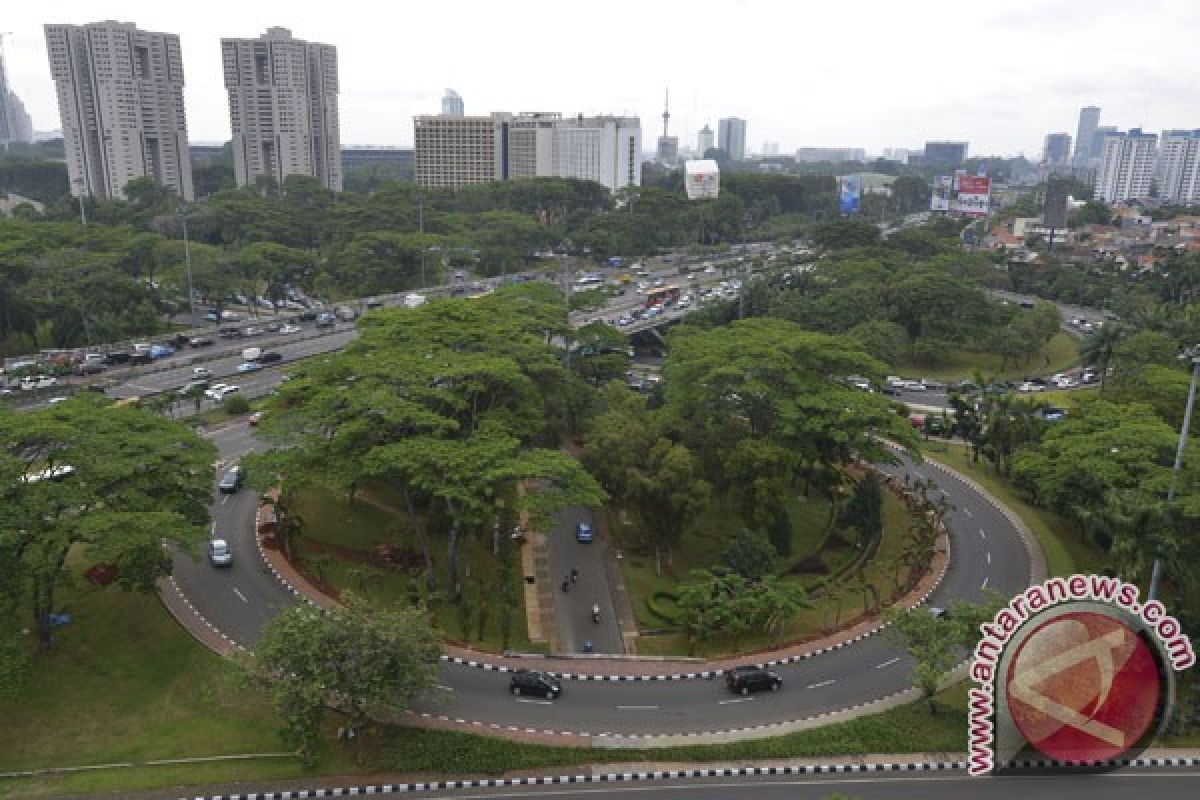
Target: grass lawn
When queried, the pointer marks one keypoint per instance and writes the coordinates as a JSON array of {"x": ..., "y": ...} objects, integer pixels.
[
  {"x": 1065, "y": 551},
  {"x": 125, "y": 683},
  {"x": 329, "y": 518},
  {"x": 1061, "y": 352},
  {"x": 702, "y": 547}
]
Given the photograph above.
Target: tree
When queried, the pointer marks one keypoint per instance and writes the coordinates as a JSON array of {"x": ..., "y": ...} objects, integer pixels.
[
  {"x": 668, "y": 493},
  {"x": 109, "y": 484},
  {"x": 357, "y": 658},
  {"x": 1100, "y": 347},
  {"x": 864, "y": 511},
  {"x": 844, "y": 233},
  {"x": 749, "y": 555}
]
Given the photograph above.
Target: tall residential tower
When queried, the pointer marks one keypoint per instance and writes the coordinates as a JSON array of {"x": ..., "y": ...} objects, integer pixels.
[
  {"x": 120, "y": 97},
  {"x": 283, "y": 108},
  {"x": 1127, "y": 166}
]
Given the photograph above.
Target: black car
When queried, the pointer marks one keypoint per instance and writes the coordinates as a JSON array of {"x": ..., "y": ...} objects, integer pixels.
[
  {"x": 230, "y": 332},
  {"x": 140, "y": 358},
  {"x": 269, "y": 358},
  {"x": 201, "y": 341},
  {"x": 232, "y": 480},
  {"x": 116, "y": 357},
  {"x": 745, "y": 680},
  {"x": 528, "y": 681}
]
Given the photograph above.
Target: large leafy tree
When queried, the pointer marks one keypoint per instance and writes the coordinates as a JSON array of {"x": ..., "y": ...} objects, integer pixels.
[{"x": 109, "y": 485}]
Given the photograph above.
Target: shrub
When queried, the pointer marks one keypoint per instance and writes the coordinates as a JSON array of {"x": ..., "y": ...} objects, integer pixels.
[{"x": 236, "y": 404}]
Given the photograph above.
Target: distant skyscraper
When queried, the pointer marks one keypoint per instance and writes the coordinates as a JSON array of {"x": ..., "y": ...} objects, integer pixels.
[
  {"x": 452, "y": 104},
  {"x": 120, "y": 97},
  {"x": 1179, "y": 167},
  {"x": 1089, "y": 118},
  {"x": 15, "y": 124},
  {"x": 1057, "y": 150},
  {"x": 731, "y": 137},
  {"x": 1127, "y": 166},
  {"x": 283, "y": 108},
  {"x": 704, "y": 141},
  {"x": 948, "y": 154},
  {"x": 1096, "y": 148}
]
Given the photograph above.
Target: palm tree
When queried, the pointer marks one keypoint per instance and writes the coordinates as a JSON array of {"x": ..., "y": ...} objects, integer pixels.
[{"x": 1099, "y": 347}]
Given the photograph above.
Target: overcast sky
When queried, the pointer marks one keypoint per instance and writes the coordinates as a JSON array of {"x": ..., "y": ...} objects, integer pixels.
[{"x": 865, "y": 73}]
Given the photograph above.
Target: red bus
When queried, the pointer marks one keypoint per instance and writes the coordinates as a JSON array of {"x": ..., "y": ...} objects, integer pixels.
[{"x": 662, "y": 295}]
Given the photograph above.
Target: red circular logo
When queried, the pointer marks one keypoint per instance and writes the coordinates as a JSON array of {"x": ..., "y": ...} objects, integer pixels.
[{"x": 1083, "y": 687}]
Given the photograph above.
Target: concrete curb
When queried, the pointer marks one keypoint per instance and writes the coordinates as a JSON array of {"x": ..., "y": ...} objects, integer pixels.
[{"x": 658, "y": 775}]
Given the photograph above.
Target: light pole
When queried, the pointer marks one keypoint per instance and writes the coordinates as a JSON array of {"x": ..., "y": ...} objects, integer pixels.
[
  {"x": 1192, "y": 354},
  {"x": 187, "y": 259}
]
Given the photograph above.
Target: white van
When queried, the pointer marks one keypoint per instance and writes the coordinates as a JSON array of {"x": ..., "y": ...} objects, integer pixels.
[{"x": 251, "y": 353}]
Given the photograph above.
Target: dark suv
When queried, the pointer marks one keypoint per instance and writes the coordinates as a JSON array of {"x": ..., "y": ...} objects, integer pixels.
[
  {"x": 528, "y": 681},
  {"x": 232, "y": 480},
  {"x": 745, "y": 680}
]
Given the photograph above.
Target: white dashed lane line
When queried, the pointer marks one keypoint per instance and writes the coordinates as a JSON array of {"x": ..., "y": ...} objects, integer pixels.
[
  {"x": 735, "y": 700},
  {"x": 535, "y": 702},
  {"x": 241, "y": 596},
  {"x": 887, "y": 663},
  {"x": 967, "y": 511},
  {"x": 822, "y": 683},
  {"x": 637, "y": 708},
  {"x": 989, "y": 557},
  {"x": 984, "y": 584}
]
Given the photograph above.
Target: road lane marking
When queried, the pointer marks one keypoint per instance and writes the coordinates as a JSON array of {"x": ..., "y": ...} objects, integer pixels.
[
  {"x": 822, "y": 683},
  {"x": 887, "y": 663},
  {"x": 967, "y": 511},
  {"x": 982, "y": 534},
  {"x": 535, "y": 702},
  {"x": 984, "y": 584},
  {"x": 443, "y": 687},
  {"x": 637, "y": 708},
  {"x": 224, "y": 499},
  {"x": 241, "y": 596},
  {"x": 989, "y": 557},
  {"x": 734, "y": 700}
]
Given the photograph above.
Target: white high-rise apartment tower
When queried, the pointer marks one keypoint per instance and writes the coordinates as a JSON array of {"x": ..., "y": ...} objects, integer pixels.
[
  {"x": 1127, "y": 166},
  {"x": 120, "y": 97},
  {"x": 283, "y": 108},
  {"x": 704, "y": 141},
  {"x": 452, "y": 104},
  {"x": 1179, "y": 167}
]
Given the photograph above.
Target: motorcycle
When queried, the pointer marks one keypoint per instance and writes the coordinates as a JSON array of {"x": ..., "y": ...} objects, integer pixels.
[{"x": 596, "y": 614}]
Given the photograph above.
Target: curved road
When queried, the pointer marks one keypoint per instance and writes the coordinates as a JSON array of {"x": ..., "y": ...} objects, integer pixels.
[{"x": 986, "y": 552}]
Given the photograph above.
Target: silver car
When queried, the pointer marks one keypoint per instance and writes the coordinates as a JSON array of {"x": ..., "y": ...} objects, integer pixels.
[{"x": 219, "y": 554}]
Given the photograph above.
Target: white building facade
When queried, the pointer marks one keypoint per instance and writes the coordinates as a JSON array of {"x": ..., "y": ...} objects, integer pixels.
[
  {"x": 120, "y": 98},
  {"x": 1179, "y": 167},
  {"x": 283, "y": 108},
  {"x": 1127, "y": 166}
]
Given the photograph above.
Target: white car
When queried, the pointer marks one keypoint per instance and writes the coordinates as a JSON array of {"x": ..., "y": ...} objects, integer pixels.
[
  {"x": 221, "y": 390},
  {"x": 1028, "y": 387},
  {"x": 289, "y": 329},
  {"x": 201, "y": 372}
]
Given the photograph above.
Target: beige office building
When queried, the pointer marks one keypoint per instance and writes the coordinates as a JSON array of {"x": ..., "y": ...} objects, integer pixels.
[
  {"x": 283, "y": 108},
  {"x": 120, "y": 97},
  {"x": 458, "y": 151}
]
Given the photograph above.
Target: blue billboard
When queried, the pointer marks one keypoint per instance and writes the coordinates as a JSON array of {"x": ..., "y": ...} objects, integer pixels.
[{"x": 850, "y": 193}]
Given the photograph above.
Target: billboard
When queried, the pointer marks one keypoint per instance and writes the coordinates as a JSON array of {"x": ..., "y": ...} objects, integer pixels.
[
  {"x": 940, "y": 199},
  {"x": 850, "y": 191},
  {"x": 701, "y": 179},
  {"x": 974, "y": 193},
  {"x": 1055, "y": 212}
]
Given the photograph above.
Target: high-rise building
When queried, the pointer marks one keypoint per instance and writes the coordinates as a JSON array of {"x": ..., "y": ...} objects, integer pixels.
[
  {"x": 704, "y": 141},
  {"x": 731, "y": 137},
  {"x": 1089, "y": 118},
  {"x": 1127, "y": 165},
  {"x": 1096, "y": 149},
  {"x": 945, "y": 154},
  {"x": 1057, "y": 149},
  {"x": 120, "y": 97},
  {"x": 452, "y": 104},
  {"x": 667, "y": 151},
  {"x": 833, "y": 155},
  {"x": 458, "y": 151},
  {"x": 1179, "y": 167},
  {"x": 15, "y": 124},
  {"x": 283, "y": 108}
]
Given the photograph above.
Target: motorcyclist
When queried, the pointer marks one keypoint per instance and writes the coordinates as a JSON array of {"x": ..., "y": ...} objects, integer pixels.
[{"x": 596, "y": 612}]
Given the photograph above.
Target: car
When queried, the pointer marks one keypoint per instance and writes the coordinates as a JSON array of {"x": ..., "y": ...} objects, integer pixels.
[
  {"x": 1029, "y": 386},
  {"x": 269, "y": 357},
  {"x": 932, "y": 385},
  {"x": 744, "y": 680},
  {"x": 532, "y": 681},
  {"x": 91, "y": 367},
  {"x": 249, "y": 366},
  {"x": 289, "y": 329},
  {"x": 232, "y": 480},
  {"x": 161, "y": 351},
  {"x": 710, "y": 270},
  {"x": 53, "y": 401},
  {"x": 201, "y": 341},
  {"x": 583, "y": 532},
  {"x": 1088, "y": 376},
  {"x": 274, "y": 325},
  {"x": 219, "y": 391},
  {"x": 252, "y": 330},
  {"x": 256, "y": 417},
  {"x": 219, "y": 553},
  {"x": 230, "y": 316},
  {"x": 201, "y": 372},
  {"x": 138, "y": 359},
  {"x": 212, "y": 316},
  {"x": 374, "y": 302},
  {"x": 116, "y": 357},
  {"x": 326, "y": 320}
]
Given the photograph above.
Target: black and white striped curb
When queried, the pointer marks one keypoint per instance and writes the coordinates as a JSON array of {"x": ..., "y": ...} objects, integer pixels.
[
  {"x": 184, "y": 599},
  {"x": 654, "y": 775},
  {"x": 262, "y": 555}
]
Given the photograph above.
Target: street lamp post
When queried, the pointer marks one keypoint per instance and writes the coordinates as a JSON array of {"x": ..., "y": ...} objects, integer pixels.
[
  {"x": 1192, "y": 353},
  {"x": 187, "y": 260}
]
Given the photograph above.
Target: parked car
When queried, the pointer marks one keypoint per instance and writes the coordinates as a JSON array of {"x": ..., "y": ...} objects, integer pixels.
[
  {"x": 583, "y": 532},
  {"x": 745, "y": 680},
  {"x": 232, "y": 480},
  {"x": 530, "y": 681},
  {"x": 219, "y": 553}
]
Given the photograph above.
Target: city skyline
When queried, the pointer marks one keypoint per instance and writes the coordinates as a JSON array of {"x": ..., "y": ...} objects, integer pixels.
[{"x": 811, "y": 96}]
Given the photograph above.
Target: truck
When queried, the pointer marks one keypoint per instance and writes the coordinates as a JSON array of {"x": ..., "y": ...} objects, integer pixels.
[{"x": 413, "y": 300}]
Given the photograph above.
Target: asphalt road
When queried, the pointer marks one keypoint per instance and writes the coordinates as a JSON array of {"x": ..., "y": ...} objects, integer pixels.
[
  {"x": 573, "y": 609},
  {"x": 1163, "y": 783},
  {"x": 985, "y": 553}
]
